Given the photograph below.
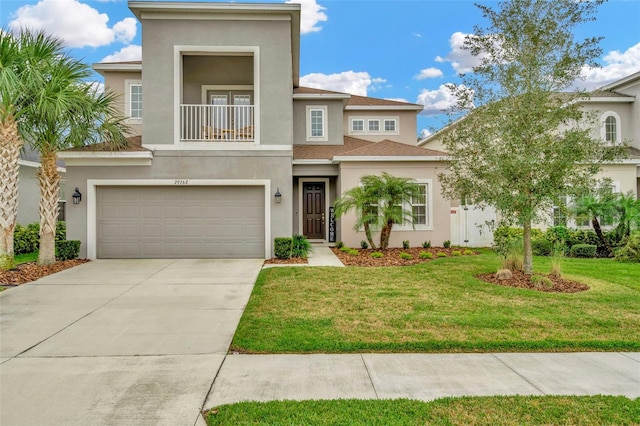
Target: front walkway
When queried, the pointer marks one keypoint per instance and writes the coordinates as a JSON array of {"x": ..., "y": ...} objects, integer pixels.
[{"x": 423, "y": 376}]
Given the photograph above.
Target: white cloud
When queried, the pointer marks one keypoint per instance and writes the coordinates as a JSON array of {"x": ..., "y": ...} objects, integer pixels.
[
  {"x": 436, "y": 101},
  {"x": 311, "y": 14},
  {"x": 77, "y": 24},
  {"x": 356, "y": 83},
  {"x": 429, "y": 73},
  {"x": 128, "y": 53},
  {"x": 425, "y": 133},
  {"x": 616, "y": 66},
  {"x": 461, "y": 60}
]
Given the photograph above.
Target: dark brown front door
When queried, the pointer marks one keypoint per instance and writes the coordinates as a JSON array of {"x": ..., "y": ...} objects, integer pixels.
[{"x": 313, "y": 207}]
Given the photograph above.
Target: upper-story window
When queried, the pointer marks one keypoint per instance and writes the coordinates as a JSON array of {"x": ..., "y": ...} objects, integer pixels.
[
  {"x": 317, "y": 123},
  {"x": 133, "y": 100},
  {"x": 378, "y": 125},
  {"x": 611, "y": 128}
]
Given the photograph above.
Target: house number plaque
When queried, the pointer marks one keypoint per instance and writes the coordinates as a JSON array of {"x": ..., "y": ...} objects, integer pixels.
[{"x": 181, "y": 182}]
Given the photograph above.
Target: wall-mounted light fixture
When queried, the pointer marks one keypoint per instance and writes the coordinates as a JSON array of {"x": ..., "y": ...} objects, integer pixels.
[
  {"x": 77, "y": 196},
  {"x": 278, "y": 195}
]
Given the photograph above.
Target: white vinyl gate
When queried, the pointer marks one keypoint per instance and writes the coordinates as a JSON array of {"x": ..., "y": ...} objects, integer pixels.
[{"x": 472, "y": 226}]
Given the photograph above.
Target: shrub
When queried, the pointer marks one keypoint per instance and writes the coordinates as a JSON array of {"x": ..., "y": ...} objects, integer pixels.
[
  {"x": 426, "y": 244},
  {"x": 61, "y": 231},
  {"x": 352, "y": 252},
  {"x": 364, "y": 244},
  {"x": 468, "y": 252},
  {"x": 556, "y": 234},
  {"x": 583, "y": 250},
  {"x": 339, "y": 244},
  {"x": 26, "y": 238},
  {"x": 300, "y": 246},
  {"x": 441, "y": 254},
  {"x": 405, "y": 244},
  {"x": 456, "y": 253},
  {"x": 282, "y": 247},
  {"x": 631, "y": 251},
  {"x": 405, "y": 256},
  {"x": 556, "y": 259},
  {"x": 541, "y": 281},
  {"x": 376, "y": 255},
  {"x": 446, "y": 244},
  {"x": 504, "y": 274},
  {"x": 67, "y": 249},
  {"x": 345, "y": 249},
  {"x": 541, "y": 247},
  {"x": 426, "y": 255},
  {"x": 505, "y": 236}
]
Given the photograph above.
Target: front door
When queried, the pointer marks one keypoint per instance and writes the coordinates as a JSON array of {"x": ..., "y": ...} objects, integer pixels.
[{"x": 313, "y": 210}]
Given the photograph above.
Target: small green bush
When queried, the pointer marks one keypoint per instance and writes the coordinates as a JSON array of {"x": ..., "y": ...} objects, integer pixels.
[
  {"x": 467, "y": 252},
  {"x": 364, "y": 245},
  {"x": 376, "y": 255},
  {"x": 456, "y": 253},
  {"x": 541, "y": 247},
  {"x": 26, "y": 238},
  {"x": 339, "y": 244},
  {"x": 426, "y": 244},
  {"x": 441, "y": 254},
  {"x": 583, "y": 250},
  {"x": 425, "y": 255},
  {"x": 446, "y": 244},
  {"x": 345, "y": 249},
  {"x": 405, "y": 256},
  {"x": 556, "y": 234},
  {"x": 352, "y": 252},
  {"x": 300, "y": 247},
  {"x": 541, "y": 281},
  {"x": 61, "y": 231},
  {"x": 282, "y": 247},
  {"x": 505, "y": 237},
  {"x": 631, "y": 251},
  {"x": 67, "y": 249},
  {"x": 405, "y": 244}
]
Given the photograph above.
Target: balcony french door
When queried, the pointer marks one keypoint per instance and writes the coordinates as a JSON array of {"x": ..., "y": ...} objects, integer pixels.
[{"x": 231, "y": 112}]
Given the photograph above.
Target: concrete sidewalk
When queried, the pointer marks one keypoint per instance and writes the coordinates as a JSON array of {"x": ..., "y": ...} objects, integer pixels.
[
  {"x": 423, "y": 376},
  {"x": 319, "y": 256}
]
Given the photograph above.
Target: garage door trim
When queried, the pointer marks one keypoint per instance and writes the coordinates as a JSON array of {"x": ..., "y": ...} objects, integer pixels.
[{"x": 91, "y": 198}]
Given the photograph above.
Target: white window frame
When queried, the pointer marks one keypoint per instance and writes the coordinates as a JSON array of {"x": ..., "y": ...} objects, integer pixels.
[
  {"x": 428, "y": 226},
  {"x": 359, "y": 120},
  {"x": 324, "y": 110},
  {"x": 370, "y": 122},
  {"x": 603, "y": 127},
  {"x": 390, "y": 120},
  {"x": 127, "y": 101}
]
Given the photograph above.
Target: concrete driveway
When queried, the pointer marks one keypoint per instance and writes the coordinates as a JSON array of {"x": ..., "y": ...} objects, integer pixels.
[{"x": 119, "y": 342}]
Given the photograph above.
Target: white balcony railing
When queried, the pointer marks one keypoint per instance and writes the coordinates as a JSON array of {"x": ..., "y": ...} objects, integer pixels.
[{"x": 217, "y": 123}]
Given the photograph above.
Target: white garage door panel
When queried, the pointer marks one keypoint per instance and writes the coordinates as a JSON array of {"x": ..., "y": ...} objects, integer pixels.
[{"x": 180, "y": 222}]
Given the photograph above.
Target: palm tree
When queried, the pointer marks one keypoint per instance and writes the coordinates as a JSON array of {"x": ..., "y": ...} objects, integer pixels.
[
  {"x": 379, "y": 203},
  {"x": 626, "y": 209},
  {"x": 392, "y": 193},
  {"x": 66, "y": 112},
  {"x": 364, "y": 204},
  {"x": 596, "y": 207},
  {"x": 20, "y": 59}
]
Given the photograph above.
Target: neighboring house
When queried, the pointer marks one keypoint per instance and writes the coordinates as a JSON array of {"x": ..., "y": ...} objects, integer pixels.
[
  {"x": 230, "y": 151},
  {"x": 617, "y": 107}
]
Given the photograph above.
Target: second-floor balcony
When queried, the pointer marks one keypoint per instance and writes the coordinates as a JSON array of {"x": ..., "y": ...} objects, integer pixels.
[{"x": 217, "y": 123}]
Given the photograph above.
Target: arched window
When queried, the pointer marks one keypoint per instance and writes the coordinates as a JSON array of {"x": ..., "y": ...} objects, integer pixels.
[{"x": 611, "y": 128}]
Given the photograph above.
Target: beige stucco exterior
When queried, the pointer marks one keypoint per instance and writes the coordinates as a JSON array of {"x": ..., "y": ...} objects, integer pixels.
[{"x": 405, "y": 133}]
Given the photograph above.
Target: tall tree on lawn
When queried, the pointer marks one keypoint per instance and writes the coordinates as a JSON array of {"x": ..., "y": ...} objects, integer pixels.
[{"x": 523, "y": 140}]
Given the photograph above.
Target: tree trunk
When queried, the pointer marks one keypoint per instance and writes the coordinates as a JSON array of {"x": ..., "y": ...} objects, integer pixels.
[
  {"x": 367, "y": 233},
  {"x": 528, "y": 254},
  {"x": 49, "y": 180},
  {"x": 385, "y": 233},
  {"x": 10, "y": 145},
  {"x": 596, "y": 227}
]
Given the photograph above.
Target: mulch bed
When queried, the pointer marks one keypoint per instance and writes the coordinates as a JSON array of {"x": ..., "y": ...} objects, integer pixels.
[
  {"x": 520, "y": 280},
  {"x": 27, "y": 272},
  {"x": 390, "y": 256}
]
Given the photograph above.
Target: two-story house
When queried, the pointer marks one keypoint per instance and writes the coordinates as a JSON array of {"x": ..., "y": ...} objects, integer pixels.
[{"x": 229, "y": 151}]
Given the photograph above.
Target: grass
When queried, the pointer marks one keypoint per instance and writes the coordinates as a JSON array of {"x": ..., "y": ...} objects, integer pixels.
[
  {"x": 502, "y": 410},
  {"x": 26, "y": 257},
  {"x": 440, "y": 307}
]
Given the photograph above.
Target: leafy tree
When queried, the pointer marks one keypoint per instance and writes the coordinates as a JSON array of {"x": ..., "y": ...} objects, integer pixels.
[
  {"x": 64, "y": 111},
  {"x": 379, "y": 204},
  {"x": 521, "y": 142},
  {"x": 21, "y": 57}
]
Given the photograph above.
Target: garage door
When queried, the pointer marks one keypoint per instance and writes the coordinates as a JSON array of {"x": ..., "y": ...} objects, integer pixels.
[{"x": 180, "y": 222}]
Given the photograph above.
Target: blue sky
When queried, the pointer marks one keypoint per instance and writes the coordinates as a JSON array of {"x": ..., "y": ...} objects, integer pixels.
[{"x": 394, "y": 49}]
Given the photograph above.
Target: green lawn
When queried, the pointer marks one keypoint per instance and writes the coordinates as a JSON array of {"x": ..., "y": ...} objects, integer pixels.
[
  {"x": 26, "y": 257},
  {"x": 439, "y": 307},
  {"x": 503, "y": 410}
]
